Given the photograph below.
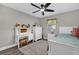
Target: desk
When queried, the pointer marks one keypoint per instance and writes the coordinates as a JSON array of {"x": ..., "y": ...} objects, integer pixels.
[{"x": 26, "y": 34}]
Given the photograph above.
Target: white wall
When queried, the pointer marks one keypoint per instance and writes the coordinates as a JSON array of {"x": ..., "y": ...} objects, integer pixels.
[
  {"x": 64, "y": 19},
  {"x": 8, "y": 18}
]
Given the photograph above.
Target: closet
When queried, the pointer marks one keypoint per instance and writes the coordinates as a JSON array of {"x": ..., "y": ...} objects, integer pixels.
[{"x": 37, "y": 33}]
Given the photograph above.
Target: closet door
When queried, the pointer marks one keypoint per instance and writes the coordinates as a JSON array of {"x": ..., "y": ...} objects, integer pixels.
[{"x": 38, "y": 33}]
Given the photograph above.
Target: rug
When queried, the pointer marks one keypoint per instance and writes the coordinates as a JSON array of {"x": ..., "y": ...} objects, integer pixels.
[{"x": 37, "y": 48}]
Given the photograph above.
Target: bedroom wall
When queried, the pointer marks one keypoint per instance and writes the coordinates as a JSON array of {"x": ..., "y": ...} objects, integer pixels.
[
  {"x": 8, "y": 18},
  {"x": 64, "y": 19}
]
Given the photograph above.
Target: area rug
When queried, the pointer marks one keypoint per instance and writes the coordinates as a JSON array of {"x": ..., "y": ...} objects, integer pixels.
[{"x": 37, "y": 48}]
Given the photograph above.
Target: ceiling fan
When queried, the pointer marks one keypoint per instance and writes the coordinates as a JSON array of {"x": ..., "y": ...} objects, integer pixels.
[{"x": 42, "y": 8}]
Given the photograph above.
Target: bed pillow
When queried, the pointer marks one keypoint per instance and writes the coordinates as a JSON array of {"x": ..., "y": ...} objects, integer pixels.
[{"x": 75, "y": 32}]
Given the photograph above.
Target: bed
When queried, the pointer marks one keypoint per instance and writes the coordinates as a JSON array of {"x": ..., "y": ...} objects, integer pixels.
[
  {"x": 64, "y": 43},
  {"x": 62, "y": 49},
  {"x": 67, "y": 39}
]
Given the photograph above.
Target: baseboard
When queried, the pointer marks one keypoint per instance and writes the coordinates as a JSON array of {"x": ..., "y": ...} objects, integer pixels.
[
  {"x": 6, "y": 47},
  {"x": 45, "y": 37}
]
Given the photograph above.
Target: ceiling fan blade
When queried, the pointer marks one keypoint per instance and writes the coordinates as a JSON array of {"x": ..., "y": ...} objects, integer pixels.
[
  {"x": 35, "y": 5},
  {"x": 42, "y": 6},
  {"x": 36, "y": 11},
  {"x": 43, "y": 13},
  {"x": 49, "y": 10},
  {"x": 47, "y": 4}
]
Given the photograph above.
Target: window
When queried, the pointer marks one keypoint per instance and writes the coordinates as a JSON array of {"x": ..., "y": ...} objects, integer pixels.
[{"x": 51, "y": 24}]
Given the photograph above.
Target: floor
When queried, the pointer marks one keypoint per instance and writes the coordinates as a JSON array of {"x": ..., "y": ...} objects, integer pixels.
[
  {"x": 37, "y": 48},
  {"x": 59, "y": 49},
  {"x": 11, "y": 51}
]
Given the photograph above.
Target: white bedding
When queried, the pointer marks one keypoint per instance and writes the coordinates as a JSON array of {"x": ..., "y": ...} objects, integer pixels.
[{"x": 61, "y": 49}]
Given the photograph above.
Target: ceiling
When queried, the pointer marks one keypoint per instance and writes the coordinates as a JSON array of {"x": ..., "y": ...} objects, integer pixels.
[{"x": 58, "y": 7}]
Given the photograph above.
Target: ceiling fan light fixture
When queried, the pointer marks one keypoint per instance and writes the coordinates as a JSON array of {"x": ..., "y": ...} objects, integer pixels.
[{"x": 42, "y": 10}]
